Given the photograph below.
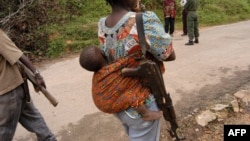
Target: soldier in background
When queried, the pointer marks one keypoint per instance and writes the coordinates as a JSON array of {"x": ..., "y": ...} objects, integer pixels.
[
  {"x": 184, "y": 18},
  {"x": 192, "y": 21}
]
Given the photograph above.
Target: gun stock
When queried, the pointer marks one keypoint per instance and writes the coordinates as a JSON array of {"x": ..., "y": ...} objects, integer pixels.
[
  {"x": 155, "y": 82},
  {"x": 45, "y": 92}
]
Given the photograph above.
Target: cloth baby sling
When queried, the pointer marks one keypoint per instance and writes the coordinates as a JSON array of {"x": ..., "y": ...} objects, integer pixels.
[{"x": 114, "y": 93}]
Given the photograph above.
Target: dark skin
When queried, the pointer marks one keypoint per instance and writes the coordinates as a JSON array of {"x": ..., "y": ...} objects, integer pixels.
[
  {"x": 172, "y": 57},
  {"x": 92, "y": 59},
  {"x": 119, "y": 10},
  {"x": 38, "y": 77}
]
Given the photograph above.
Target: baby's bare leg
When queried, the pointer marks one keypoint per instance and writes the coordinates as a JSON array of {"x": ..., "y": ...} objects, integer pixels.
[{"x": 147, "y": 114}]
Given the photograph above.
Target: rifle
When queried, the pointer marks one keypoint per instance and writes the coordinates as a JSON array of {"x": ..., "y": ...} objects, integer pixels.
[
  {"x": 31, "y": 78},
  {"x": 154, "y": 80}
]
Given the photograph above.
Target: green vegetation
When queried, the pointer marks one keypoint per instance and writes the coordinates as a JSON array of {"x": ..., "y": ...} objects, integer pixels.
[
  {"x": 72, "y": 24},
  {"x": 216, "y": 12},
  {"x": 77, "y": 26}
]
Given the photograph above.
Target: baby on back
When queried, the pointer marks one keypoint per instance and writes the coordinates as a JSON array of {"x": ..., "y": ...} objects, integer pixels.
[{"x": 93, "y": 59}]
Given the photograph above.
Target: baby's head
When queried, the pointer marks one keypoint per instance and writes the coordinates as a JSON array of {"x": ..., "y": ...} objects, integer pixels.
[{"x": 92, "y": 58}]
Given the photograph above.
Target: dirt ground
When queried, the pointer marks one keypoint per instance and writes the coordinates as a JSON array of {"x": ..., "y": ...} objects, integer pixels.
[
  {"x": 105, "y": 126},
  {"x": 214, "y": 131},
  {"x": 203, "y": 75},
  {"x": 100, "y": 126},
  {"x": 98, "y": 131}
]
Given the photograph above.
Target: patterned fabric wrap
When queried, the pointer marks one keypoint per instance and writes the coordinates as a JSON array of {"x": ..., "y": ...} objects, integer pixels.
[
  {"x": 111, "y": 92},
  {"x": 114, "y": 93}
]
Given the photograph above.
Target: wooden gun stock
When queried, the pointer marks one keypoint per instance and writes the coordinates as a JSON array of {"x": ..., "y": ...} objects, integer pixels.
[
  {"x": 46, "y": 93},
  {"x": 155, "y": 82}
]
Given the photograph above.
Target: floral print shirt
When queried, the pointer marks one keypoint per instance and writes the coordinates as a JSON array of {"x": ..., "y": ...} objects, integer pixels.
[
  {"x": 122, "y": 40},
  {"x": 169, "y": 8},
  {"x": 119, "y": 41}
]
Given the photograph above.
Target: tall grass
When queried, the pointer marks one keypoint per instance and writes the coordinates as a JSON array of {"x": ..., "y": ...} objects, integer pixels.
[{"x": 76, "y": 24}]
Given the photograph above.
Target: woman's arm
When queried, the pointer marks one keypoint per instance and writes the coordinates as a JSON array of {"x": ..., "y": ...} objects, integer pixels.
[
  {"x": 171, "y": 57},
  {"x": 159, "y": 41}
]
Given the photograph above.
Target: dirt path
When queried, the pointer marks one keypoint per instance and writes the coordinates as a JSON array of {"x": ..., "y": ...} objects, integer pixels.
[{"x": 201, "y": 74}]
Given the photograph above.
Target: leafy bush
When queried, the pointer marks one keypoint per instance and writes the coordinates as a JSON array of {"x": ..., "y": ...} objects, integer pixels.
[
  {"x": 72, "y": 24},
  {"x": 56, "y": 47},
  {"x": 21, "y": 20}
]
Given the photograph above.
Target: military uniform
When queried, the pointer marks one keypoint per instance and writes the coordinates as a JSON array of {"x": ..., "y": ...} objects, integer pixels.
[
  {"x": 184, "y": 18},
  {"x": 192, "y": 21}
]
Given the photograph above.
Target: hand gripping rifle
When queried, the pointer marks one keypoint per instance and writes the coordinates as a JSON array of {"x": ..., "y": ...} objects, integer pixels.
[
  {"x": 154, "y": 80},
  {"x": 31, "y": 78}
]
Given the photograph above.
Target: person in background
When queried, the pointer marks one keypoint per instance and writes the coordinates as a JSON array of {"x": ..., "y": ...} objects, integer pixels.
[
  {"x": 169, "y": 10},
  {"x": 192, "y": 22},
  {"x": 119, "y": 42},
  {"x": 15, "y": 103},
  {"x": 184, "y": 18}
]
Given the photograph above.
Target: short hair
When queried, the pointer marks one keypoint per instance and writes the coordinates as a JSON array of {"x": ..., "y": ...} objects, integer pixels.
[
  {"x": 90, "y": 58},
  {"x": 112, "y": 2}
]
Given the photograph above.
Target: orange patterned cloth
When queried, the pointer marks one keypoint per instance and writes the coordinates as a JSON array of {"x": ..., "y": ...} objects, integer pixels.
[{"x": 114, "y": 93}]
